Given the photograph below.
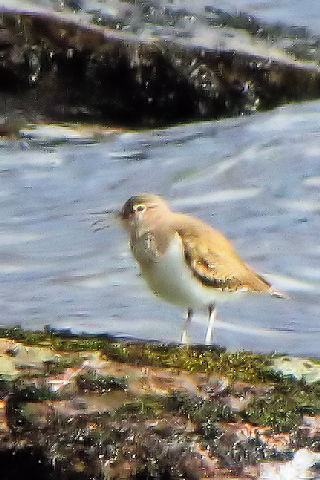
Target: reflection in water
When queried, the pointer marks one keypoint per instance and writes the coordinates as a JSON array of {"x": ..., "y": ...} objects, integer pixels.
[{"x": 255, "y": 178}]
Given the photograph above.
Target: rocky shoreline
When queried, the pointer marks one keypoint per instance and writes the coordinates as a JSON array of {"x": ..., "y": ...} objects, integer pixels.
[
  {"x": 63, "y": 66},
  {"x": 92, "y": 407}
]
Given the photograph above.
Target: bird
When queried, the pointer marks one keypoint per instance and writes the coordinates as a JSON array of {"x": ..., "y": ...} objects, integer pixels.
[{"x": 185, "y": 261}]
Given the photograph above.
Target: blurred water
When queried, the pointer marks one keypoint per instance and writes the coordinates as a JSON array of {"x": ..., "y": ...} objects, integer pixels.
[
  {"x": 256, "y": 178},
  {"x": 287, "y": 12},
  {"x": 179, "y": 18}
]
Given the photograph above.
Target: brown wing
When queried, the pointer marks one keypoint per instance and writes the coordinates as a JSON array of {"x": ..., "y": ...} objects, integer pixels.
[{"x": 213, "y": 260}]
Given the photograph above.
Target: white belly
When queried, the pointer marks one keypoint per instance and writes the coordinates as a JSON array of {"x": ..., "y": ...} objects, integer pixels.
[{"x": 171, "y": 278}]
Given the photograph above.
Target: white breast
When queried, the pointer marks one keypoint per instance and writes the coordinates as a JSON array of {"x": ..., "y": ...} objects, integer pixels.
[{"x": 171, "y": 278}]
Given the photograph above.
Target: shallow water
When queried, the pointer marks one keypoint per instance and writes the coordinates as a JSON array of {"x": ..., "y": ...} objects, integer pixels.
[{"x": 256, "y": 178}]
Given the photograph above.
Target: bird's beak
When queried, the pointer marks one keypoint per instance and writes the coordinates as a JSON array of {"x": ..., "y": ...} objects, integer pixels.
[
  {"x": 118, "y": 214},
  {"x": 102, "y": 212}
]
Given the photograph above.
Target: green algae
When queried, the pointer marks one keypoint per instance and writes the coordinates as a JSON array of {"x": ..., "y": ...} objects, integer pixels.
[
  {"x": 30, "y": 393},
  {"x": 147, "y": 406},
  {"x": 19, "y": 395},
  {"x": 64, "y": 342},
  {"x": 282, "y": 408},
  {"x": 93, "y": 382},
  {"x": 244, "y": 366},
  {"x": 58, "y": 365},
  {"x": 201, "y": 411}
]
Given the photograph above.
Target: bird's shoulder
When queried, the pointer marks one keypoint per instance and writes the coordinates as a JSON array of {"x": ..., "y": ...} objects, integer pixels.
[{"x": 201, "y": 237}]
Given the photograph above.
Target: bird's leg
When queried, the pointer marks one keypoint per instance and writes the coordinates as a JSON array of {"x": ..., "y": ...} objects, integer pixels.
[
  {"x": 211, "y": 319},
  {"x": 185, "y": 339}
]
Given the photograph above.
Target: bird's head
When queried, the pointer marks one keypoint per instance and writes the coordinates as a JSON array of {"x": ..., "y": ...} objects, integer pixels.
[{"x": 141, "y": 213}]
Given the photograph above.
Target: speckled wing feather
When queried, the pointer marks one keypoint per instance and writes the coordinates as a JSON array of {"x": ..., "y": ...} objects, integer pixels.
[{"x": 213, "y": 260}]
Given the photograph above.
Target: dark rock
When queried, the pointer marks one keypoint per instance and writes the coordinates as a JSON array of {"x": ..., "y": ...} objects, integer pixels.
[
  {"x": 55, "y": 69},
  {"x": 25, "y": 462}
]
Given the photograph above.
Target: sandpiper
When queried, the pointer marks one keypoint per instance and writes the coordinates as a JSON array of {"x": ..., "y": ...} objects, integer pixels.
[{"x": 184, "y": 260}]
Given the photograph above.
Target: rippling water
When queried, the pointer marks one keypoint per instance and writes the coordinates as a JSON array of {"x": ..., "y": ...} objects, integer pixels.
[
  {"x": 256, "y": 178},
  {"x": 293, "y": 12}
]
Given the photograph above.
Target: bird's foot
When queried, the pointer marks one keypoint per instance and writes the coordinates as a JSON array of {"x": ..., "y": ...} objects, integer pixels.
[
  {"x": 185, "y": 339},
  {"x": 209, "y": 337}
]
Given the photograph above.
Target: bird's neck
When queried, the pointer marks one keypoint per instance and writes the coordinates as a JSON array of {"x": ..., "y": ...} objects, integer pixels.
[{"x": 160, "y": 230}]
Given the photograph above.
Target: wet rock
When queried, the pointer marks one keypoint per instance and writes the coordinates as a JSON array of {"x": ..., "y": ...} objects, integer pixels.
[
  {"x": 89, "y": 415},
  {"x": 60, "y": 69},
  {"x": 25, "y": 461},
  {"x": 299, "y": 368}
]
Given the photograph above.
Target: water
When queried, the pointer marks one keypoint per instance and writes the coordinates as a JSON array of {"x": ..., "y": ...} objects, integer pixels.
[
  {"x": 257, "y": 179},
  {"x": 287, "y": 12},
  {"x": 181, "y": 19}
]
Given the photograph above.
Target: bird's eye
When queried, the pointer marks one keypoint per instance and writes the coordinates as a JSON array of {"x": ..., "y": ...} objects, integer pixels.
[{"x": 139, "y": 208}]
